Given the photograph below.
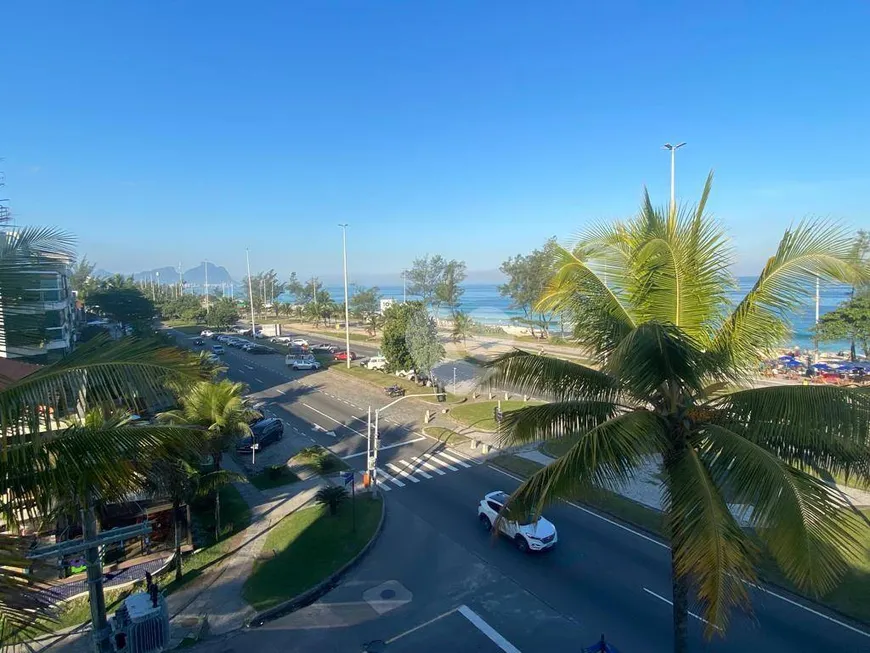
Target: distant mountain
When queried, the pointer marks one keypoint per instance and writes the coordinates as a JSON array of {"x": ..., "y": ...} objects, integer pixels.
[
  {"x": 217, "y": 274},
  {"x": 101, "y": 273}
]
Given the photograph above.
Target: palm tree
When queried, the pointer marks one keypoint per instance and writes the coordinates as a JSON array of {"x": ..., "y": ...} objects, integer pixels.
[
  {"x": 180, "y": 481},
  {"x": 220, "y": 410},
  {"x": 373, "y": 322},
  {"x": 673, "y": 384},
  {"x": 462, "y": 327}
]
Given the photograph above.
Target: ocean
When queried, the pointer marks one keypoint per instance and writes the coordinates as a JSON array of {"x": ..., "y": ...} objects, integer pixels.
[{"x": 485, "y": 305}]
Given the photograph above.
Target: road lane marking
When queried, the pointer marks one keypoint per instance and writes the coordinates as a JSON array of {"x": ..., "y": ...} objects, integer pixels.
[
  {"x": 389, "y": 446},
  {"x": 362, "y": 435},
  {"x": 671, "y": 603},
  {"x": 282, "y": 392},
  {"x": 381, "y": 472},
  {"x": 494, "y": 636},
  {"x": 401, "y": 472},
  {"x": 665, "y": 546},
  {"x": 443, "y": 463},
  {"x": 429, "y": 466},
  {"x": 456, "y": 460},
  {"x": 249, "y": 367},
  {"x": 258, "y": 380},
  {"x": 415, "y": 470}
]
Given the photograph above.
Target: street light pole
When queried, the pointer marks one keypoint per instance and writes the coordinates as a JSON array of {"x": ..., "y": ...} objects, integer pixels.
[
  {"x": 206, "y": 286},
  {"x": 673, "y": 149},
  {"x": 250, "y": 293},
  {"x": 346, "y": 308},
  {"x": 404, "y": 286}
]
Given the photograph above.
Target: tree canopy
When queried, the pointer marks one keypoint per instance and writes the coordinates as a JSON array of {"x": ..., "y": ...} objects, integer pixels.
[
  {"x": 223, "y": 313},
  {"x": 849, "y": 321},
  {"x": 125, "y": 304},
  {"x": 364, "y": 301},
  {"x": 527, "y": 280},
  {"x": 449, "y": 290}
]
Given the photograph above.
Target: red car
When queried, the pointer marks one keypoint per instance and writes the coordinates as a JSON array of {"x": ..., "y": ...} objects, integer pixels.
[{"x": 342, "y": 355}]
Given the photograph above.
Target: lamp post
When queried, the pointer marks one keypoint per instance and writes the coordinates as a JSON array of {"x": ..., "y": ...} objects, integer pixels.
[
  {"x": 346, "y": 308},
  {"x": 206, "y": 286},
  {"x": 250, "y": 293},
  {"x": 673, "y": 149},
  {"x": 404, "y": 286},
  {"x": 374, "y": 438}
]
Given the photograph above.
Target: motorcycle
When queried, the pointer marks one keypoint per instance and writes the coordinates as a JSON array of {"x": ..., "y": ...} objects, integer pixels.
[{"x": 394, "y": 391}]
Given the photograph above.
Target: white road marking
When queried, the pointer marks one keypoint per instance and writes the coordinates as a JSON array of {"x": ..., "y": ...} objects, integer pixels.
[
  {"x": 456, "y": 460},
  {"x": 427, "y": 465},
  {"x": 665, "y": 546},
  {"x": 249, "y": 367},
  {"x": 442, "y": 463},
  {"x": 381, "y": 472},
  {"x": 389, "y": 446},
  {"x": 362, "y": 435},
  {"x": 415, "y": 470},
  {"x": 494, "y": 636},
  {"x": 282, "y": 392},
  {"x": 669, "y": 602},
  {"x": 258, "y": 380},
  {"x": 402, "y": 472}
]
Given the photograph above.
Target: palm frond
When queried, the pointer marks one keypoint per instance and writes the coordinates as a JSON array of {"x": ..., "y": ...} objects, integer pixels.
[
  {"x": 207, "y": 483},
  {"x": 808, "y": 526},
  {"x": 25, "y": 601},
  {"x": 603, "y": 457},
  {"x": 548, "y": 378},
  {"x": 559, "y": 419},
  {"x": 709, "y": 548},
  {"x": 815, "y": 428},
  {"x": 814, "y": 249}
]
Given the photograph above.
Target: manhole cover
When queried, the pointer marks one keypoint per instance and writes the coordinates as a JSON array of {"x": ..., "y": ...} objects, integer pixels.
[{"x": 388, "y": 594}]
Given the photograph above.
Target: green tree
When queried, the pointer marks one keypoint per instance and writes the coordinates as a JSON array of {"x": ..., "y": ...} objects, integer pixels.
[
  {"x": 372, "y": 322},
  {"x": 81, "y": 278},
  {"x": 394, "y": 342},
  {"x": 294, "y": 287},
  {"x": 670, "y": 351},
  {"x": 186, "y": 307},
  {"x": 422, "y": 341},
  {"x": 219, "y": 409},
  {"x": 364, "y": 302},
  {"x": 223, "y": 314},
  {"x": 849, "y": 321},
  {"x": 527, "y": 280},
  {"x": 463, "y": 326},
  {"x": 331, "y": 496},
  {"x": 424, "y": 277},
  {"x": 125, "y": 304},
  {"x": 181, "y": 482},
  {"x": 449, "y": 290}
]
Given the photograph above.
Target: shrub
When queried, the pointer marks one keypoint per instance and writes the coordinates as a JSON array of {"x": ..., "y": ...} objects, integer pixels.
[{"x": 331, "y": 496}]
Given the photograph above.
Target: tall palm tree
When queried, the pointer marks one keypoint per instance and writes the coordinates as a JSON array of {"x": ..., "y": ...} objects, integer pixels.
[
  {"x": 673, "y": 384},
  {"x": 181, "y": 482},
  {"x": 221, "y": 411},
  {"x": 462, "y": 327}
]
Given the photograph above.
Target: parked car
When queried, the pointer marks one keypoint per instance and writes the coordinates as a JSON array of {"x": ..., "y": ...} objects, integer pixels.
[
  {"x": 264, "y": 432},
  {"x": 216, "y": 336},
  {"x": 242, "y": 331},
  {"x": 260, "y": 349},
  {"x": 299, "y": 342},
  {"x": 238, "y": 343},
  {"x": 246, "y": 346},
  {"x": 206, "y": 333},
  {"x": 282, "y": 339},
  {"x": 218, "y": 350},
  {"x": 325, "y": 347},
  {"x": 223, "y": 338},
  {"x": 342, "y": 355},
  {"x": 305, "y": 364},
  {"x": 532, "y": 536},
  {"x": 290, "y": 359},
  {"x": 197, "y": 342},
  {"x": 394, "y": 391},
  {"x": 377, "y": 363},
  {"x": 259, "y": 335}
]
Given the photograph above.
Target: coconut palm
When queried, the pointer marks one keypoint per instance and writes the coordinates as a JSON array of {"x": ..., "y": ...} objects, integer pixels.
[
  {"x": 181, "y": 482},
  {"x": 673, "y": 384},
  {"x": 221, "y": 411},
  {"x": 462, "y": 327}
]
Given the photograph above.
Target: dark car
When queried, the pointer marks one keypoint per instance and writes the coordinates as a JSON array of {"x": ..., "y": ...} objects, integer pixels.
[
  {"x": 197, "y": 342},
  {"x": 260, "y": 349},
  {"x": 264, "y": 432},
  {"x": 323, "y": 347}
]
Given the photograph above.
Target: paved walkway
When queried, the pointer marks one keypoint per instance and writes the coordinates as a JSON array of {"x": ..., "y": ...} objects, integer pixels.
[{"x": 217, "y": 593}]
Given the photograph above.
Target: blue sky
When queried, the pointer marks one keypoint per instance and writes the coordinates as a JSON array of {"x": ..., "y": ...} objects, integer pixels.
[{"x": 167, "y": 131}]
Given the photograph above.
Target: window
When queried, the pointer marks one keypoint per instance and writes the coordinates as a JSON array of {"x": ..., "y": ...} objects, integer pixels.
[{"x": 494, "y": 506}]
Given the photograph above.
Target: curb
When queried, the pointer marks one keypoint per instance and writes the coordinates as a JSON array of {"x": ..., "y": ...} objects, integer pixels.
[{"x": 311, "y": 595}]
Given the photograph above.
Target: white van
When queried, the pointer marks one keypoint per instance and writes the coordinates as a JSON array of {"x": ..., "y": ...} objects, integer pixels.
[{"x": 377, "y": 363}]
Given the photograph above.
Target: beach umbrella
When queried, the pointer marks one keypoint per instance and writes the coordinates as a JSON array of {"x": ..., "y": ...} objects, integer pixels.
[
  {"x": 821, "y": 366},
  {"x": 786, "y": 358},
  {"x": 600, "y": 646},
  {"x": 793, "y": 363}
]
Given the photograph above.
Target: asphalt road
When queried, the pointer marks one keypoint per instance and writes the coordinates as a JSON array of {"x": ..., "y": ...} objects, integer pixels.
[{"x": 602, "y": 577}]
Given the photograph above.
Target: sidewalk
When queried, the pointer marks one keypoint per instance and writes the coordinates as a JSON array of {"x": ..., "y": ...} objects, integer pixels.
[{"x": 216, "y": 595}]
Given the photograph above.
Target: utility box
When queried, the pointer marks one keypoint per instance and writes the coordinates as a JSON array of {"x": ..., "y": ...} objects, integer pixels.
[{"x": 141, "y": 624}]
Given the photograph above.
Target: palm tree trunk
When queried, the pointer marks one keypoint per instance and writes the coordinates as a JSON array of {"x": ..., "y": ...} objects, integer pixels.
[
  {"x": 680, "y": 588},
  {"x": 176, "y": 508},
  {"x": 217, "y": 515}
]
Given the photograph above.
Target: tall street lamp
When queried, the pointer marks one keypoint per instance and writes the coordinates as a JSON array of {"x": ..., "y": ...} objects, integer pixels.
[
  {"x": 404, "y": 286},
  {"x": 673, "y": 149},
  {"x": 250, "y": 293},
  {"x": 346, "y": 309}
]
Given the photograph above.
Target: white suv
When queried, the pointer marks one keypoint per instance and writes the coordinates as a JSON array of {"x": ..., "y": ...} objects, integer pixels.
[
  {"x": 206, "y": 334},
  {"x": 377, "y": 363},
  {"x": 536, "y": 536}
]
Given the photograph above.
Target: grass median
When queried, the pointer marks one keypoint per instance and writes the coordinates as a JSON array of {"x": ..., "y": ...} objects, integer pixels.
[
  {"x": 447, "y": 436},
  {"x": 383, "y": 380},
  {"x": 306, "y": 547},
  {"x": 479, "y": 414},
  {"x": 851, "y": 597}
]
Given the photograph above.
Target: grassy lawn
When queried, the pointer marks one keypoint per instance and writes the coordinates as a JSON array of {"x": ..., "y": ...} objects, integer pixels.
[
  {"x": 307, "y": 546},
  {"x": 851, "y": 596},
  {"x": 446, "y": 435},
  {"x": 319, "y": 459},
  {"x": 274, "y": 476},
  {"x": 331, "y": 333},
  {"x": 557, "y": 448},
  {"x": 479, "y": 415},
  {"x": 383, "y": 380},
  {"x": 185, "y": 327}
]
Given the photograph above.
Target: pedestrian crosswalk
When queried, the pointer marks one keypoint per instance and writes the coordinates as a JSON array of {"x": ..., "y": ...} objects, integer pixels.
[{"x": 399, "y": 473}]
